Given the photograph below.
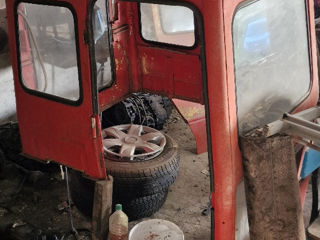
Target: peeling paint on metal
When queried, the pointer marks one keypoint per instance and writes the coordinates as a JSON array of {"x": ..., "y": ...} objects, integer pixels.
[{"x": 144, "y": 65}]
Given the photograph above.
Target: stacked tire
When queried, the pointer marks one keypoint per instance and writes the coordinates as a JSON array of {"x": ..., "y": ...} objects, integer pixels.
[
  {"x": 11, "y": 148},
  {"x": 140, "y": 186},
  {"x": 141, "y": 108}
]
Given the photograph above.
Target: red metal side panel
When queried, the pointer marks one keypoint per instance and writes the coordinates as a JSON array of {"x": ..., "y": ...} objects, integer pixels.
[
  {"x": 194, "y": 115},
  {"x": 123, "y": 50},
  {"x": 54, "y": 131},
  {"x": 226, "y": 155},
  {"x": 122, "y": 84},
  {"x": 173, "y": 73}
]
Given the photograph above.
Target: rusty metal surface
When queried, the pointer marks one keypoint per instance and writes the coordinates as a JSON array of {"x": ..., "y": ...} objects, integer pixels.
[
  {"x": 194, "y": 115},
  {"x": 272, "y": 188},
  {"x": 189, "y": 110}
]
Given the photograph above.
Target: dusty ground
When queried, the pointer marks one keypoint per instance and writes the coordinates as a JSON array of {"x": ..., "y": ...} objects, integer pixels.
[
  {"x": 189, "y": 195},
  {"x": 34, "y": 205}
]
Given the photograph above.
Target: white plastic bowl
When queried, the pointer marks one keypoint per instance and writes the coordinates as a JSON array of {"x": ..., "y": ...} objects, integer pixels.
[{"x": 156, "y": 229}]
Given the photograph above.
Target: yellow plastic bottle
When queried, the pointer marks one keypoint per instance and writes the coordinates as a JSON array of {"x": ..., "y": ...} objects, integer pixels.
[{"x": 118, "y": 225}]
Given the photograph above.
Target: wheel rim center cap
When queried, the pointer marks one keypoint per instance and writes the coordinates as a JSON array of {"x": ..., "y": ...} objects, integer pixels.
[{"x": 131, "y": 140}]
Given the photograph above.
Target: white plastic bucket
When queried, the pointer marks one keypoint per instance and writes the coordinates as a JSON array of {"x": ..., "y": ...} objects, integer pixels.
[{"x": 156, "y": 229}]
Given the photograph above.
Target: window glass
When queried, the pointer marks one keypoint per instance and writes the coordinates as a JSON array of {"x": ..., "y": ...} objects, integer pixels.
[
  {"x": 167, "y": 24},
  {"x": 271, "y": 56},
  {"x": 102, "y": 47},
  {"x": 48, "y": 52},
  {"x": 175, "y": 19}
]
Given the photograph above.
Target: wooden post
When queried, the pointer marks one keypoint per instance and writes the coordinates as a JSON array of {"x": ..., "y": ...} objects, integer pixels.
[
  {"x": 272, "y": 188},
  {"x": 102, "y": 208}
]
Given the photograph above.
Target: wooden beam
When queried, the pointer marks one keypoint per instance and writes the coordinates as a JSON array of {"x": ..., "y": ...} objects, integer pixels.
[
  {"x": 272, "y": 188},
  {"x": 102, "y": 208}
]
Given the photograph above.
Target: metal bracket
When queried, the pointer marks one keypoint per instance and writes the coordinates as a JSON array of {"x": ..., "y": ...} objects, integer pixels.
[{"x": 299, "y": 125}]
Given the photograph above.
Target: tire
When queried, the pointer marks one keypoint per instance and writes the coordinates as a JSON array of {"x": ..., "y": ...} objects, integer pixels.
[
  {"x": 10, "y": 143},
  {"x": 115, "y": 115},
  {"x": 140, "y": 186},
  {"x": 82, "y": 193},
  {"x": 167, "y": 105},
  {"x": 10, "y": 138},
  {"x": 156, "y": 103},
  {"x": 141, "y": 108},
  {"x": 144, "y": 206},
  {"x": 143, "y": 178}
]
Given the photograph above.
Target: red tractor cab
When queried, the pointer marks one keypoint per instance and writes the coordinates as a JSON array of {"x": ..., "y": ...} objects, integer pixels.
[{"x": 247, "y": 62}]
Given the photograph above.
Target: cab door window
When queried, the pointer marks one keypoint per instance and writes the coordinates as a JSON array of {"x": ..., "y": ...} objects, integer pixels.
[
  {"x": 102, "y": 45},
  {"x": 48, "y": 53},
  {"x": 167, "y": 24},
  {"x": 271, "y": 54}
]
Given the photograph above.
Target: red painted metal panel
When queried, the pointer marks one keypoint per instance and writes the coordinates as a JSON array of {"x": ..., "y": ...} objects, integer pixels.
[
  {"x": 303, "y": 189},
  {"x": 122, "y": 84},
  {"x": 173, "y": 73},
  {"x": 122, "y": 48},
  {"x": 194, "y": 115},
  {"x": 53, "y": 131}
]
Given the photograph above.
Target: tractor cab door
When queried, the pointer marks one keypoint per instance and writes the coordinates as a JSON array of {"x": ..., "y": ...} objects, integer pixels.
[{"x": 52, "y": 84}]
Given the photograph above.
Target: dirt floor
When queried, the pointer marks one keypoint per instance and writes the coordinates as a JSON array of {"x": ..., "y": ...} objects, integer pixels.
[
  {"x": 33, "y": 205},
  {"x": 189, "y": 195}
]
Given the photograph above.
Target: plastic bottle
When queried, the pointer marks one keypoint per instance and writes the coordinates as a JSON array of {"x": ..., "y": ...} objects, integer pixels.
[{"x": 118, "y": 225}]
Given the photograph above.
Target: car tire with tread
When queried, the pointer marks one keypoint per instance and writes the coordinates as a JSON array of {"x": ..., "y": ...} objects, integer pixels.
[
  {"x": 142, "y": 178},
  {"x": 141, "y": 187},
  {"x": 142, "y": 207},
  {"x": 82, "y": 193}
]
